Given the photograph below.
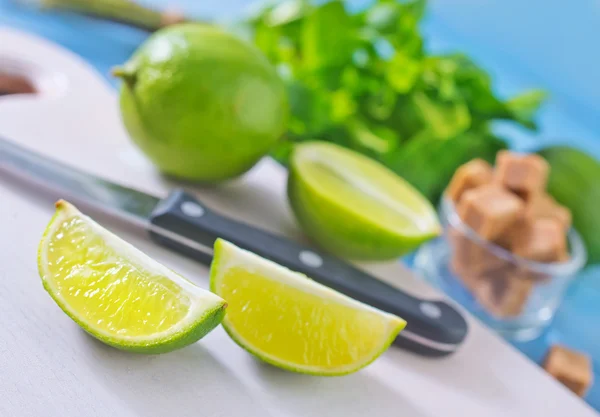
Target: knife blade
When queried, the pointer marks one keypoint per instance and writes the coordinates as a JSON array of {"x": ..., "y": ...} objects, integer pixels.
[{"x": 184, "y": 224}]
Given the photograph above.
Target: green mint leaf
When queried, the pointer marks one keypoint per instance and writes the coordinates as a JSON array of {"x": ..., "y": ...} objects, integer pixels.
[
  {"x": 525, "y": 106},
  {"x": 402, "y": 72},
  {"x": 327, "y": 36},
  {"x": 443, "y": 119}
]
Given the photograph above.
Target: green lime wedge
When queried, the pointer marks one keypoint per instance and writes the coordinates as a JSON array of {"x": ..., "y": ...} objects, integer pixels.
[
  {"x": 294, "y": 323},
  {"x": 354, "y": 207},
  {"x": 118, "y": 294}
]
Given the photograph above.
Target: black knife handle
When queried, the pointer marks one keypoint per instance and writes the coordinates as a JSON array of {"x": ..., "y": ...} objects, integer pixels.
[{"x": 182, "y": 223}]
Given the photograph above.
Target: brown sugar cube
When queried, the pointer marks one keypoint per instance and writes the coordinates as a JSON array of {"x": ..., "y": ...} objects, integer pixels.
[
  {"x": 460, "y": 261},
  {"x": 482, "y": 262},
  {"x": 543, "y": 240},
  {"x": 537, "y": 205},
  {"x": 481, "y": 275},
  {"x": 570, "y": 368},
  {"x": 488, "y": 265},
  {"x": 484, "y": 275},
  {"x": 489, "y": 210},
  {"x": 462, "y": 248},
  {"x": 541, "y": 277},
  {"x": 522, "y": 174},
  {"x": 461, "y": 272},
  {"x": 511, "y": 233},
  {"x": 505, "y": 293},
  {"x": 470, "y": 175},
  {"x": 543, "y": 205},
  {"x": 457, "y": 267},
  {"x": 470, "y": 261},
  {"x": 469, "y": 280},
  {"x": 460, "y": 267},
  {"x": 459, "y": 245},
  {"x": 564, "y": 257}
]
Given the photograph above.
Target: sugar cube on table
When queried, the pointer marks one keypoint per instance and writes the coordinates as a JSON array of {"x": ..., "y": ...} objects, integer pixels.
[
  {"x": 489, "y": 210},
  {"x": 525, "y": 175},
  {"x": 542, "y": 240},
  {"x": 470, "y": 175},
  {"x": 572, "y": 369}
]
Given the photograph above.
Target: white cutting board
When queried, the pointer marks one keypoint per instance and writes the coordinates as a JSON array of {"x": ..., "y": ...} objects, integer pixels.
[{"x": 49, "y": 367}]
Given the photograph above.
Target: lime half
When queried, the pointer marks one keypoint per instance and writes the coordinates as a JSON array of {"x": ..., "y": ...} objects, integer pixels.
[
  {"x": 355, "y": 207},
  {"x": 292, "y": 322},
  {"x": 118, "y": 294}
]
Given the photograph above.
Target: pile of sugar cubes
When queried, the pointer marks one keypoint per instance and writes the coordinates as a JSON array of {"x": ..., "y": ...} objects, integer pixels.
[{"x": 508, "y": 206}]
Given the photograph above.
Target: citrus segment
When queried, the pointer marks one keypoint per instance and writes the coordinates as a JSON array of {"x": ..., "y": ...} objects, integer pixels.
[
  {"x": 355, "y": 207},
  {"x": 117, "y": 293},
  {"x": 292, "y": 322}
]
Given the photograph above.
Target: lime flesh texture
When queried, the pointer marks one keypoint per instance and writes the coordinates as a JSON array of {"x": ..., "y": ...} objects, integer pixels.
[
  {"x": 200, "y": 103},
  {"x": 294, "y": 323},
  {"x": 118, "y": 294},
  {"x": 354, "y": 207}
]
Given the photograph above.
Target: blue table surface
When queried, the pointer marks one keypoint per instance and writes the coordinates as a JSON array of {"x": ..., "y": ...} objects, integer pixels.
[{"x": 538, "y": 43}]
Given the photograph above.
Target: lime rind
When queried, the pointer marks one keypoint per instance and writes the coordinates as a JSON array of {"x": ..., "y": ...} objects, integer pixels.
[
  {"x": 205, "y": 313},
  {"x": 227, "y": 255}
]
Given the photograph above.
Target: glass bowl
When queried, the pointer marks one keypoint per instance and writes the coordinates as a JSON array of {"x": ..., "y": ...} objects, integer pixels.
[{"x": 514, "y": 296}]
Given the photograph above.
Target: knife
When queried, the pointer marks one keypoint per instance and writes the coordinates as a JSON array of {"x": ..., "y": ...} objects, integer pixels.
[{"x": 184, "y": 224}]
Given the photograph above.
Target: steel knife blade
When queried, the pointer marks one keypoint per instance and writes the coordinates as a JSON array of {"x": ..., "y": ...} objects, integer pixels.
[{"x": 184, "y": 224}]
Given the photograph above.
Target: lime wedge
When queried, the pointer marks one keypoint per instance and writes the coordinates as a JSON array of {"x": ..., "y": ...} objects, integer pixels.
[
  {"x": 294, "y": 323},
  {"x": 118, "y": 294},
  {"x": 354, "y": 207}
]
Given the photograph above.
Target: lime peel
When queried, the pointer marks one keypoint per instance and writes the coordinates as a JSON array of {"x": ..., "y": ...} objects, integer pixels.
[{"x": 201, "y": 103}]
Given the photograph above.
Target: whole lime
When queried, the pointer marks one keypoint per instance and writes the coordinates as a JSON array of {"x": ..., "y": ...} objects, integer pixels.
[{"x": 201, "y": 103}]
